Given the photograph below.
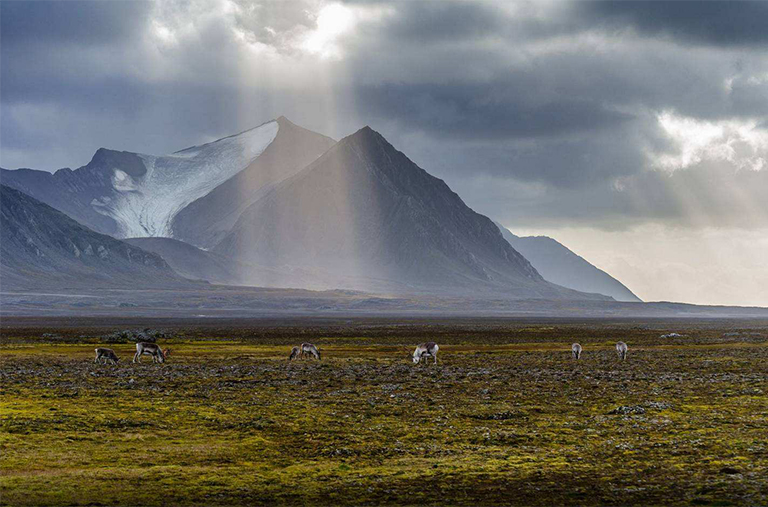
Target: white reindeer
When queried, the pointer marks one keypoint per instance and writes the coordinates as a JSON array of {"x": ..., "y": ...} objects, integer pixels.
[
  {"x": 424, "y": 351},
  {"x": 621, "y": 350},
  {"x": 108, "y": 355},
  {"x": 150, "y": 349},
  {"x": 308, "y": 349},
  {"x": 576, "y": 351}
]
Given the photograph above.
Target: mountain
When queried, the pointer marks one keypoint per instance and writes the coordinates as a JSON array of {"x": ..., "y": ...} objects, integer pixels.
[
  {"x": 205, "y": 221},
  {"x": 194, "y": 263},
  {"x": 77, "y": 192},
  {"x": 368, "y": 218},
  {"x": 559, "y": 265},
  {"x": 189, "y": 261},
  {"x": 126, "y": 194},
  {"x": 43, "y": 248}
]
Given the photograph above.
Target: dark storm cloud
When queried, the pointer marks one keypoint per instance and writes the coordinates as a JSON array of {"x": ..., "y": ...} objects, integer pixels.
[
  {"x": 495, "y": 111},
  {"x": 555, "y": 103},
  {"x": 436, "y": 22},
  {"x": 70, "y": 22},
  {"x": 713, "y": 22}
]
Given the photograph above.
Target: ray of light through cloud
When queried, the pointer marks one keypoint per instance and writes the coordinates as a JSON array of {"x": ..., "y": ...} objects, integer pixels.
[{"x": 632, "y": 134}]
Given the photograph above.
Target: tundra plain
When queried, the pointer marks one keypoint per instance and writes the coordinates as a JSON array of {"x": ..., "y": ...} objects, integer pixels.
[{"x": 506, "y": 417}]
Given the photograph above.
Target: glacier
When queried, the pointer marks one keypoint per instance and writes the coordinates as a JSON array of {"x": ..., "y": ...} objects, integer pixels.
[{"x": 146, "y": 205}]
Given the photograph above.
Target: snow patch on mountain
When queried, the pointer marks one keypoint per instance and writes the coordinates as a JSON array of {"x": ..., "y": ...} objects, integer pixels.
[{"x": 146, "y": 205}]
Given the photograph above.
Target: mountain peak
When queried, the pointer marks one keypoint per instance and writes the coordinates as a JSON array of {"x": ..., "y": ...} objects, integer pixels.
[
  {"x": 366, "y": 133},
  {"x": 129, "y": 163},
  {"x": 371, "y": 219},
  {"x": 368, "y": 140}
]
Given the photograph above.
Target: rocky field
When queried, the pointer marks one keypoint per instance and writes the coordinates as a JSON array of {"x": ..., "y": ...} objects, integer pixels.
[{"x": 506, "y": 417}]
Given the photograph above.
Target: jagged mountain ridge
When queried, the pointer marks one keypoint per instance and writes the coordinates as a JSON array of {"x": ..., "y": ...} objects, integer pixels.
[
  {"x": 364, "y": 211},
  {"x": 558, "y": 264},
  {"x": 128, "y": 194},
  {"x": 42, "y": 248},
  {"x": 206, "y": 220},
  {"x": 119, "y": 193}
]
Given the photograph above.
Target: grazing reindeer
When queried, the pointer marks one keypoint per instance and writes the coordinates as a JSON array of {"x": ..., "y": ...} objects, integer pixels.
[
  {"x": 424, "y": 351},
  {"x": 576, "y": 351},
  {"x": 108, "y": 355},
  {"x": 151, "y": 349},
  {"x": 307, "y": 349},
  {"x": 621, "y": 350},
  {"x": 295, "y": 352}
]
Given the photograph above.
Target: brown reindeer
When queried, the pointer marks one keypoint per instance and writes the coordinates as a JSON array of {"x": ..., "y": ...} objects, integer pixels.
[
  {"x": 151, "y": 349},
  {"x": 107, "y": 355}
]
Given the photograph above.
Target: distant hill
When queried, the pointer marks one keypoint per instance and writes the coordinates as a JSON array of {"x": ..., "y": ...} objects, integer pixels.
[
  {"x": 371, "y": 219},
  {"x": 43, "y": 248},
  {"x": 196, "y": 264},
  {"x": 559, "y": 265},
  {"x": 189, "y": 261}
]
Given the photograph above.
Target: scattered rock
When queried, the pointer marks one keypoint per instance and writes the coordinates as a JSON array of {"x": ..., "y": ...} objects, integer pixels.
[
  {"x": 134, "y": 335},
  {"x": 498, "y": 416},
  {"x": 627, "y": 409},
  {"x": 658, "y": 405}
]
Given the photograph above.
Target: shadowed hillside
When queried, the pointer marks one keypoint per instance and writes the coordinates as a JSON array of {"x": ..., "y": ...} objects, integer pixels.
[{"x": 45, "y": 249}]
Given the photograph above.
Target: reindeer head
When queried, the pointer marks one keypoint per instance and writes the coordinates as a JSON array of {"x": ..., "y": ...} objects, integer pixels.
[
  {"x": 416, "y": 358},
  {"x": 164, "y": 354}
]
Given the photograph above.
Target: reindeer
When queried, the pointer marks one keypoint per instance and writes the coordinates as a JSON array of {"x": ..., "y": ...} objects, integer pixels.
[
  {"x": 576, "y": 351},
  {"x": 621, "y": 350},
  {"x": 108, "y": 355},
  {"x": 308, "y": 349},
  {"x": 151, "y": 349},
  {"x": 424, "y": 351}
]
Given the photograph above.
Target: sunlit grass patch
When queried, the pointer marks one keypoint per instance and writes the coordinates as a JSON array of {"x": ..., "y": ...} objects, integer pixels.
[{"x": 234, "y": 422}]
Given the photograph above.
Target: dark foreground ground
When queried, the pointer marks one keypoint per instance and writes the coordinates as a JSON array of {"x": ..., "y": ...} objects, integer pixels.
[{"x": 507, "y": 417}]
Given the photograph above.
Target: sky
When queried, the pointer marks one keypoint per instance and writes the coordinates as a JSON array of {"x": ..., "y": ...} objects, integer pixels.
[{"x": 636, "y": 133}]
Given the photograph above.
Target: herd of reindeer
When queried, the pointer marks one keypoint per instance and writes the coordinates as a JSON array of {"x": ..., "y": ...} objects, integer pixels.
[{"x": 423, "y": 352}]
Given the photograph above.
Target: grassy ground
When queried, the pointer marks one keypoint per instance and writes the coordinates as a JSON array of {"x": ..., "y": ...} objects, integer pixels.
[{"x": 510, "y": 420}]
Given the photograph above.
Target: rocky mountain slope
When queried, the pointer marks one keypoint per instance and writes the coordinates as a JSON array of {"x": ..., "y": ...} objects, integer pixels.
[
  {"x": 559, "y": 265},
  {"x": 205, "y": 221},
  {"x": 367, "y": 217},
  {"x": 127, "y": 194},
  {"x": 189, "y": 261},
  {"x": 42, "y": 248}
]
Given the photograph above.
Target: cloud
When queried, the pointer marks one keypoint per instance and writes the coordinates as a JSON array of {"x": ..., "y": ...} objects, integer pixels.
[
  {"x": 539, "y": 111},
  {"x": 715, "y": 22},
  {"x": 82, "y": 23},
  {"x": 499, "y": 109},
  {"x": 741, "y": 144}
]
